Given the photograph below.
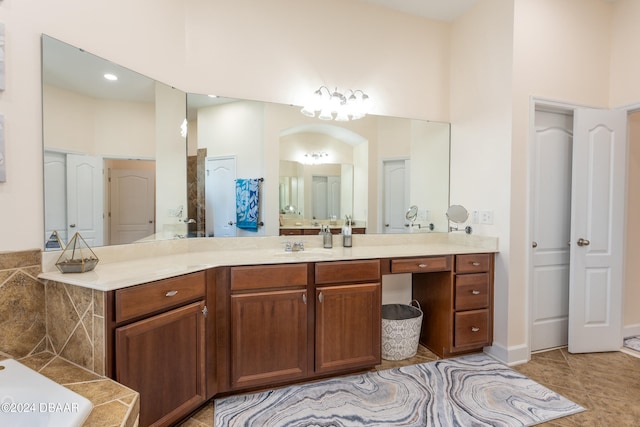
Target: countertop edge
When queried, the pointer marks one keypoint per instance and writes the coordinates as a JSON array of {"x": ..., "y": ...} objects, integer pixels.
[{"x": 117, "y": 274}]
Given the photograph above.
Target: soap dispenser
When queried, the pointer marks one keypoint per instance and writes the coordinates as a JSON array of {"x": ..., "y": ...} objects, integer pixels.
[
  {"x": 346, "y": 232},
  {"x": 327, "y": 237}
]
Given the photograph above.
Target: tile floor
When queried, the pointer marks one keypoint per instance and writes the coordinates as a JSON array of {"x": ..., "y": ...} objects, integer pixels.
[{"x": 606, "y": 384}]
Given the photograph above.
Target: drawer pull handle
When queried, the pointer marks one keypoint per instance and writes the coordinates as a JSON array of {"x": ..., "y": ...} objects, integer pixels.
[
  {"x": 422, "y": 265},
  {"x": 170, "y": 293},
  {"x": 320, "y": 297},
  {"x": 304, "y": 299},
  {"x": 475, "y": 263},
  {"x": 475, "y": 292},
  {"x": 474, "y": 329}
]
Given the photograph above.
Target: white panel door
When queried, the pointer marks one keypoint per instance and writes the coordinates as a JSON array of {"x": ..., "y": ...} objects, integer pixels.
[
  {"x": 597, "y": 226},
  {"x": 220, "y": 196},
  {"x": 333, "y": 198},
  {"x": 55, "y": 196},
  {"x": 551, "y": 226},
  {"x": 319, "y": 196},
  {"x": 85, "y": 198},
  {"x": 132, "y": 210},
  {"x": 395, "y": 196}
]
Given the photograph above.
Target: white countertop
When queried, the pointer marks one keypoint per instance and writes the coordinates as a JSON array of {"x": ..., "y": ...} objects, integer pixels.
[{"x": 127, "y": 265}]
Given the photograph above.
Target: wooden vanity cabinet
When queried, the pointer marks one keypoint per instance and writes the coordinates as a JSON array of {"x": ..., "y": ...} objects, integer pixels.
[
  {"x": 277, "y": 332},
  {"x": 457, "y": 302},
  {"x": 159, "y": 345},
  {"x": 348, "y": 315},
  {"x": 268, "y": 324}
]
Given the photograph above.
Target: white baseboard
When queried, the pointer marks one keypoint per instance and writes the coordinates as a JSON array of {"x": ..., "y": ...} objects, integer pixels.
[
  {"x": 631, "y": 330},
  {"x": 511, "y": 356}
]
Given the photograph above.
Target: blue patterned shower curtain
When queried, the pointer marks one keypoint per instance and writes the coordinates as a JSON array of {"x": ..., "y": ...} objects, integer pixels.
[{"x": 247, "y": 203}]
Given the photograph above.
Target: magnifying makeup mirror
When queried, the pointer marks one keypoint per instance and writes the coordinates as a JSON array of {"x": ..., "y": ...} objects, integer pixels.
[
  {"x": 412, "y": 214},
  {"x": 458, "y": 215}
]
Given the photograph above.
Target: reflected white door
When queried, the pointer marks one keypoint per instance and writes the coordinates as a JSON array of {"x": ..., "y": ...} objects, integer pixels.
[
  {"x": 132, "y": 210},
  {"x": 597, "y": 226},
  {"x": 55, "y": 195},
  {"x": 85, "y": 198},
  {"x": 333, "y": 198},
  {"x": 220, "y": 196},
  {"x": 325, "y": 196},
  {"x": 395, "y": 196},
  {"x": 551, "y": 227},
  {"x": 319, "y": 195}
]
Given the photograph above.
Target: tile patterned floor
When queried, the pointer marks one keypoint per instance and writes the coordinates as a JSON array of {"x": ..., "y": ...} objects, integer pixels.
[{"x": 606, "y": 384}]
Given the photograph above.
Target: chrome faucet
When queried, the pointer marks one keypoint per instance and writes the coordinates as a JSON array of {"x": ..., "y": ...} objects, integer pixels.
[{"x": 294, "y": 247}]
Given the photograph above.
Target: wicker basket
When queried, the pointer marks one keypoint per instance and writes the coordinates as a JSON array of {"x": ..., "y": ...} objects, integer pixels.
[{"x": 401, "y": 326}]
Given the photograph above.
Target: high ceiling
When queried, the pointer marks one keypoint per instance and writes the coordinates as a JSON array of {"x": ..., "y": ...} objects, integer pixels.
[
  {"x": 85, "y": 75},
  {"x": 441, "y": 10}
]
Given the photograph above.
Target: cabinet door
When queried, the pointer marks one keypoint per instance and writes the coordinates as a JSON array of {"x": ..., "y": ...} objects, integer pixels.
[
  {"x": 163, "y": 358},
  {"x": 348, "y": 322},
  {"x": 268, "y": 337}
]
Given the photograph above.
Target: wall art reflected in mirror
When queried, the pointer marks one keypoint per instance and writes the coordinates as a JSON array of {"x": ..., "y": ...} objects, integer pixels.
[{"x": 159, "y": 183}]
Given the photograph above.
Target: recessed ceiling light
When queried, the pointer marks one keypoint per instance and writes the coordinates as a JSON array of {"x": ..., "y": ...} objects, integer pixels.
[{"x": 111, "y": 77}]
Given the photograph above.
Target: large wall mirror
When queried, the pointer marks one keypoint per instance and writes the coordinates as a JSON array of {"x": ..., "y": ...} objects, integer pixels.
[
  {"x": 111, "y": 138},
  {"x": 164, "y": 180}
]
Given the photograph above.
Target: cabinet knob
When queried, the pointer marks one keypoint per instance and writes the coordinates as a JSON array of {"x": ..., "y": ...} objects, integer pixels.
[
  {"x": 170, "y": 293},
  {"x": 474, "y": 329},
  {"x": 475, "y": 292},
  {"x": 422, "y": 265}
]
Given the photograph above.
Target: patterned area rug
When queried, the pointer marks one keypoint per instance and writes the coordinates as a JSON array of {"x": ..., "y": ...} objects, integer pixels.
[
  {"x": 633, "y": 343},
  {"x": 466, "y": 391}
]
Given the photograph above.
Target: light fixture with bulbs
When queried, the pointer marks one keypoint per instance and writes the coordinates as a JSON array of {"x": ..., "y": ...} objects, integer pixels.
[
  {"x": 336, "y": 105},
  {"x": 315, "y": 158}
]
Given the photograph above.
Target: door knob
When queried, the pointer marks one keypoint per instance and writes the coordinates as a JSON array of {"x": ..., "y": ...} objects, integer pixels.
[
  {"x": 583, "y": 242},
  {"x": 534, "y": 244}
]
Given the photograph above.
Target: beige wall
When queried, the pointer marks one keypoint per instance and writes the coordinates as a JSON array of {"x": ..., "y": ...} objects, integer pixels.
[
  {"x": 481, "y": 92},
  {"x": 100, "y": 127},
  {"x": 632, "y": 267}
]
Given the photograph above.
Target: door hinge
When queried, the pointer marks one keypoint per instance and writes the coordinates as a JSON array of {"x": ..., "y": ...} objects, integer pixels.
[{"x": 205, "y": 311}]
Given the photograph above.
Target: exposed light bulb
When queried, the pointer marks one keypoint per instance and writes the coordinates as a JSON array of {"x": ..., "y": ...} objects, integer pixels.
[{"x": 336, "y": 105}]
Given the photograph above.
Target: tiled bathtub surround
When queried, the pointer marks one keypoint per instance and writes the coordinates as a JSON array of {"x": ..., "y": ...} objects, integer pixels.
[
  {"x": 113, "y": 403},
  {"x": 75, "y": 324},
  {"x": 65, "y": 320},
  {"x": 22, "y": 304}
]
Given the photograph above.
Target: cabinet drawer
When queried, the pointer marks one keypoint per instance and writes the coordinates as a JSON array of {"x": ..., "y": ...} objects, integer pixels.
[
  {"x": 420, "y": 265},
  {"x": 347, "y": 271},
  {"x": 268, "y": 276},
  {"x": 472, "y": 291},
  {"x": 474, "y": 263},
  {"x": 290, "y": 231},
  {"x": 471, "y": 328},
  {"x": 140, "y": 300}
]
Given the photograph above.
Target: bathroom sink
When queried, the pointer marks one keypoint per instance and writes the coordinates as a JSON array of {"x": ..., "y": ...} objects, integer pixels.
[
  {"x": 306, "y": 253},
  {"x": 30, "y": 399}
]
